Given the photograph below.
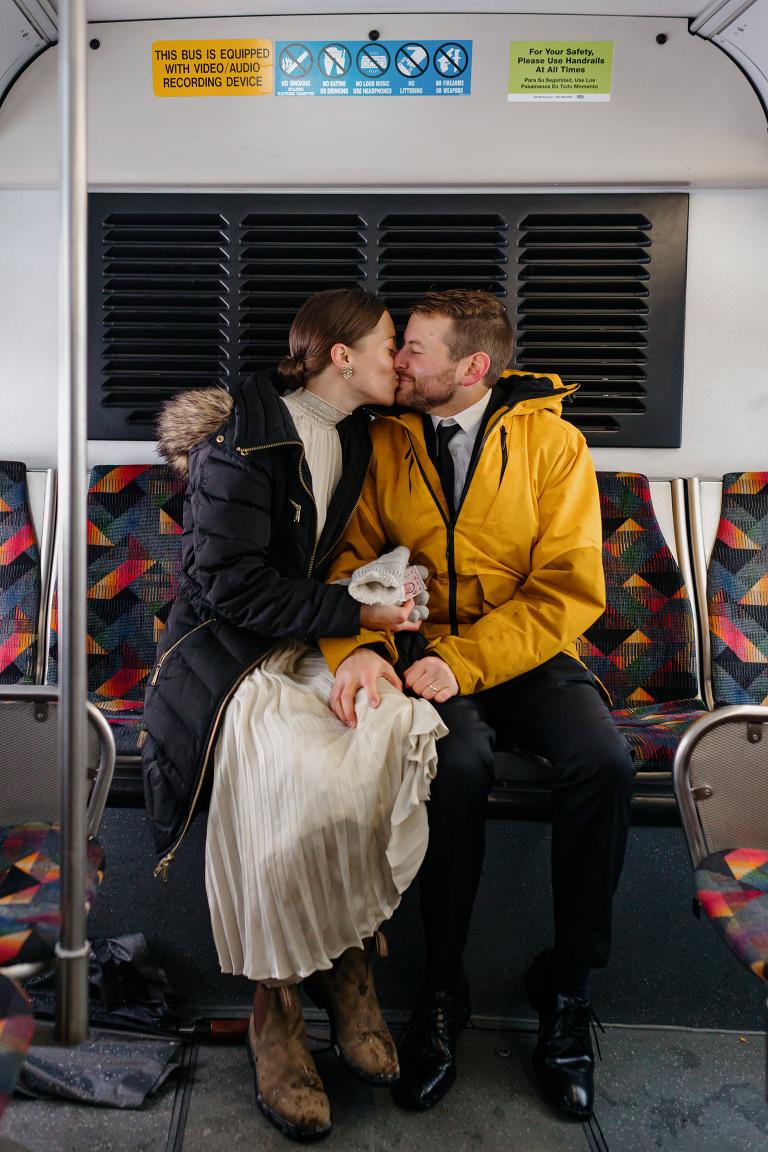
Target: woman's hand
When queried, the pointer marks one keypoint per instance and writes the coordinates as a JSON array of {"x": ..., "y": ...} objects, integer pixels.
[
  {"x": 379, "y": 617},
  {"x": 432, "y": 679}
]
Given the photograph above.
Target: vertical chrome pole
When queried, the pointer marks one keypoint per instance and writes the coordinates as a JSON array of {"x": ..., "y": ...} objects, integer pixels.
[{"x": 72, "y": 948}]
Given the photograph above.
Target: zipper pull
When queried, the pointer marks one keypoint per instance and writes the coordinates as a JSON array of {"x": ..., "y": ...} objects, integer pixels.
[
  {"x": 297, "y": 514},
  {"x": 161, "y": 872},
  {"x": 155, "y": 675}
]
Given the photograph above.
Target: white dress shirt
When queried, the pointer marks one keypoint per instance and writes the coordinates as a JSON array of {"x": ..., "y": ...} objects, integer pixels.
[{"x": 462, "y": 443}]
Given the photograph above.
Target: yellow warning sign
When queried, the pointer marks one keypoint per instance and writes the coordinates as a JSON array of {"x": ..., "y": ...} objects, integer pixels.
[{"x": 212, "y": 67}]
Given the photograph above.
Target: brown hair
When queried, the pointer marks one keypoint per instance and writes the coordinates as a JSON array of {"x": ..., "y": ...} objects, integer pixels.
[
  {"x": 480, "y": 324},
  {"x": 337, "y": 316}
]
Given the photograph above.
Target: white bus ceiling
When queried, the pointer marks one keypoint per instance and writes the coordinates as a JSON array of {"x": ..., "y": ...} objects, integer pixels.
[{"x": 682, "y": 117}]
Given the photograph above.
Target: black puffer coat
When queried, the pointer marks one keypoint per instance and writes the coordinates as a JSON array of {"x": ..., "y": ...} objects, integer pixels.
[{"x": 252, "y": 575}]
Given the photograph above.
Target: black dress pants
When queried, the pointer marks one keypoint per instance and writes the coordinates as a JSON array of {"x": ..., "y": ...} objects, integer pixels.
[{"x": 556, "y": 711}]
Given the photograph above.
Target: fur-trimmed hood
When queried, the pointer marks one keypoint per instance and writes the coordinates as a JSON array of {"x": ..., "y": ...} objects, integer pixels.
[{"x": 188, "y": 418}]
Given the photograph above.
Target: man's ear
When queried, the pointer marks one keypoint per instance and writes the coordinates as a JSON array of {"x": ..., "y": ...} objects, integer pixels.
[{"x": 477, "y": 368}]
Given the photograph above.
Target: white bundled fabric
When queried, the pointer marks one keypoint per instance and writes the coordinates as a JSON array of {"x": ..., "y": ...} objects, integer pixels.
[{"x": 390, "y": 580}]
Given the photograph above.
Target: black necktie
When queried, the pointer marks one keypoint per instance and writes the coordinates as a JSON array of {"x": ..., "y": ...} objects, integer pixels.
[{"x": 444, "y": 434}]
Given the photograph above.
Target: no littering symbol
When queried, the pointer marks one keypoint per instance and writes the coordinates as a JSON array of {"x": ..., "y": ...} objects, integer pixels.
[{"x": 412, "y": 60}]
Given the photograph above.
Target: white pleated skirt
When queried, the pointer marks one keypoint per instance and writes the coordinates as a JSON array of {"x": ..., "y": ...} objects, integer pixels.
[{"x": 315, "y": 830}]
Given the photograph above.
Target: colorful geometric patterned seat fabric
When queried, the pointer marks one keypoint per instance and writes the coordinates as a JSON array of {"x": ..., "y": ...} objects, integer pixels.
[
  {"x": 655, "y": 730},
  {"x": 643, "y": 646},
  {"x": 30, "y": 858},
  {"x": 737, "y": 592},
  {"x": 134, "y": 561},
  {"x": 19, "y": 578},
  {"x": 732, "y": 888},
  {"x": 16, "y": 1026}
]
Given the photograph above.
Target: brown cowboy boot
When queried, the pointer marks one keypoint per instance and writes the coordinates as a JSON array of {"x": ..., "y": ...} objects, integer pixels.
[
  {"x": 288, "y": 1089},
  {"x": 359, "y": 1034}
]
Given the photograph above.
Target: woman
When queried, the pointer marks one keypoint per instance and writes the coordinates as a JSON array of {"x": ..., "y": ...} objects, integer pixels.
[{"x": 314, "y": 829}]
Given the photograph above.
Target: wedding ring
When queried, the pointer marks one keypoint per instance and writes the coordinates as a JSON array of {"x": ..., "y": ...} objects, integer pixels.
[{"x": 433, "y": 688}]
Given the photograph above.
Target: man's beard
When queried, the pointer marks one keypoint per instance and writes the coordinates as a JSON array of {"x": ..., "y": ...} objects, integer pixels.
[{"x": 428, "y": 393}]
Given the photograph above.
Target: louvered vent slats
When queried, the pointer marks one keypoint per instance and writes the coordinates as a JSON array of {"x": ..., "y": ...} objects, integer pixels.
[
  {"x": 191, "y": 289},
  {"x": 440, "y": 250},
  {"x": 284, "y": 259},
  {"x": 164, "y": 296},
  {"x": 582, "y": 306}
]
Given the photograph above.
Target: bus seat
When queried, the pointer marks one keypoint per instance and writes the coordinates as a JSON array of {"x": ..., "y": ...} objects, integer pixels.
[
  {"x": 134, "y": 561},
  {"x": 30, "y": 802},
  {"x": 20, "y": 578},
  {"x": 16, "y": 1027},
  {"x": 721, "y": 784},
  {"x": 737, "y": 592},
  {"x": 643, "y": 648}
]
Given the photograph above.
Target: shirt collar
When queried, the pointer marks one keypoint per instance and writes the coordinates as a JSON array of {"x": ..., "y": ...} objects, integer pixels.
[{"x": 468, "y": 420}]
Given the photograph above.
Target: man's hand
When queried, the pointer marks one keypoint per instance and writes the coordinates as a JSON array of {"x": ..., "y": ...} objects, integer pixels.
[
  {"x": 433, "y": 679},
  {"x": 360, "y": 670}
]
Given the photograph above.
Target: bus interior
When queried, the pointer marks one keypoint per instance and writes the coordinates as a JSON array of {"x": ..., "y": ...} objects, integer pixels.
[{"x": 620, "y": 210}]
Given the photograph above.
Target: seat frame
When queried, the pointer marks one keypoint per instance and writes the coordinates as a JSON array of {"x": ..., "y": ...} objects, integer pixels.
[{"x": 47, "y": 694}]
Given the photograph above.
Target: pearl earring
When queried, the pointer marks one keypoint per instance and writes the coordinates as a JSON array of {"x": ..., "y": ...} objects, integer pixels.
[{"x": 346, "y": 372}]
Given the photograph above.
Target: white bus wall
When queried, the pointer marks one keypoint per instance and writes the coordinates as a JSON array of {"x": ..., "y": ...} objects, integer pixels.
[{"x": 681, "y": 117}]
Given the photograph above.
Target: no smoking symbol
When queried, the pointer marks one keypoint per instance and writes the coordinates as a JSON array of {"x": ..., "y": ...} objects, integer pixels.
[
  {"x": 451, "y": 60},
  {"x": 295, "y": 60}
]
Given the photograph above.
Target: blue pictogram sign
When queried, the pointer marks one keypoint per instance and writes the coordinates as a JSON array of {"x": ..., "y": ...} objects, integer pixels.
[
  {"x": 374, "y": 68},
  {"x": 412, "y": 60},
  {"x": 295, "y": 60},
  {"x": 373, "y": 60},
  {"x": 451, "y": 60},
  {"x": 334, "y": 60}
]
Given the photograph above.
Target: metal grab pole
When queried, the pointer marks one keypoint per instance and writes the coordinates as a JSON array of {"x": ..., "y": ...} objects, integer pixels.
[{"x": 72, "y": 948}]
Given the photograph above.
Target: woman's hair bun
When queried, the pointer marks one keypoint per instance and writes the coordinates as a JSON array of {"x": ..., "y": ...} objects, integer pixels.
[{"x": 293, "y": 368}]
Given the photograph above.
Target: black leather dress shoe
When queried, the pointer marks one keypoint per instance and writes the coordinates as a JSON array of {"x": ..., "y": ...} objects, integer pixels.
[
  {"x": 427, "y": 1048},
  {"x": 563, "y": 1058}
]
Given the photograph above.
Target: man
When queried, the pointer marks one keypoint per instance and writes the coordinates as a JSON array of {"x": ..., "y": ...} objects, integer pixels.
[{"x": 496, "y": 495}]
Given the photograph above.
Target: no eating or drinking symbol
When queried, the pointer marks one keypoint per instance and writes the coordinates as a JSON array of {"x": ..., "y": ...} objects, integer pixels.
[
  {"x": 295, "y": 60},
  {"x": 334, "y": 60}
]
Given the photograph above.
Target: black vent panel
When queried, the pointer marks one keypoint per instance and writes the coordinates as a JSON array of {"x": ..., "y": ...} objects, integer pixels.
[
  {"x": 197, "y": 288},
  {"x": 164, "y": 287},
  {"x": 440, "y": 250},
  {"x": 284, "y": 259},
  {"x": 584, "y": 285}
]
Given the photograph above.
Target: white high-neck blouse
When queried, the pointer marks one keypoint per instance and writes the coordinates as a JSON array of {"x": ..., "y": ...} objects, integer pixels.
[{"x": 316, "y": 421}]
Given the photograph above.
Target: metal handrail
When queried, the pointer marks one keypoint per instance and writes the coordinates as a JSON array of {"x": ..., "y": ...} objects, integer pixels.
[
  {"x": 699, "y": 556},
  {"x": 72, "y": 949},
  {"x": 681, "y": 769}
]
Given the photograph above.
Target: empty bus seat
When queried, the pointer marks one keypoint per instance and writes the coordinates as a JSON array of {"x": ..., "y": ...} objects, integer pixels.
[
  {"x": 737, "y": 592},
  {"x": 643, "y": 647},
  {"x": 16, "y": 1027},
  {"x": 20, "y": 580},
  {"x": 134, "y": 561},
  {"x": 30, "y": 865}
]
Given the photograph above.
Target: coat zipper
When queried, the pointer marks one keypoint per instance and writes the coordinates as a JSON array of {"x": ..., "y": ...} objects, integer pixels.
[
  {"x": 283, "y": 444},
  {"x": 162, "y": 869},
  {"x": 164, "y": 656},
  {"x": 450, "y": 525}
]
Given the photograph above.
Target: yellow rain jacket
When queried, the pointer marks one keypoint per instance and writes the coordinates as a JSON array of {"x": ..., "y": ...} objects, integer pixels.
[{"x": 518, "y": 574}]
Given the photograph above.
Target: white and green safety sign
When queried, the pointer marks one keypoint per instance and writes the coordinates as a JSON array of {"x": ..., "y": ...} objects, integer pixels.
[{"x": 560, "y": 69}]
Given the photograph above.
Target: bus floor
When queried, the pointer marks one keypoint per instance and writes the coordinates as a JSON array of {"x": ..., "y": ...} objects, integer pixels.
[{"x": 691, "y": 1090}]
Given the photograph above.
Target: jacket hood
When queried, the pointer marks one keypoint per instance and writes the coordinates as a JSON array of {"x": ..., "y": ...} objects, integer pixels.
[
  {"x": 188, "y": 418},
  {"x": 252, "y": 414},
  {"x": 528, "y": 391}
]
